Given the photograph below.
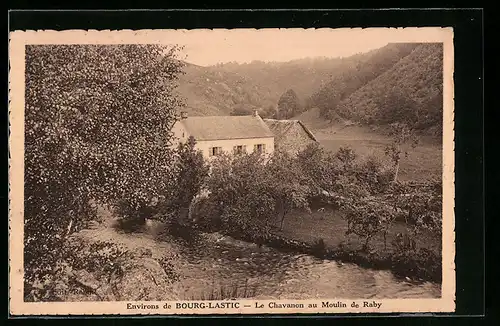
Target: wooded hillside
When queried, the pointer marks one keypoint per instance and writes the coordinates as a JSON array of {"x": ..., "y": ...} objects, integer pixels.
[
  {"x": 409, "y": 91},
  {"x": 396, "y": 83}
]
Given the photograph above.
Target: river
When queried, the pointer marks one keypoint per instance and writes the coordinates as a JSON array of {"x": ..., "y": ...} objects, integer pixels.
[{"x": 209, "y": 262}]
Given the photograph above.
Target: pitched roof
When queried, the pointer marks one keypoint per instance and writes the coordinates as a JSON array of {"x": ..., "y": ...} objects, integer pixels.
[
  {"x": 226, "y": 127},
  {"x": 280, "y": 127}
]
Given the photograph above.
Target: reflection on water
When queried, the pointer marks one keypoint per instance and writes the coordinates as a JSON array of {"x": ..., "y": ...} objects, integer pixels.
[{"x": 205, "y": 261}]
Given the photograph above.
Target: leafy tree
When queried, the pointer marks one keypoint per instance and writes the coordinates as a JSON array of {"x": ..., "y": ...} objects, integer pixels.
[
  {"x": 238, "y": 187},
  {"x": 96, "y": 129},
  {"x": 396, "y": 107},
  {"x": 311, "y": 161},
  {"x": 191, "y": 173},
  {"x": 420, "y": 203},
  {"x": 288, "y": 184},
  {"x": 347, "y": 157},
  {"x": 403, "y": 139},
  {"x": 288, "y": 105},
  {"x": 374, "y": 175},
  {"x": 366, "y": 217}
]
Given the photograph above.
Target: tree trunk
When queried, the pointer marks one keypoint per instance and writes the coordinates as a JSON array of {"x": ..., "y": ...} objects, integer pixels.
[
  {"x": 365, "y": 246},
  {"x": 68, "y": 230},
  {"x": 385, "y": 239},
  {"x": 282, "y": 220},
  {"x": 396, "y": 171}
]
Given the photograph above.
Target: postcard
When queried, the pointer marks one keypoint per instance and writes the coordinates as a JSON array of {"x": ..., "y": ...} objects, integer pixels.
[{"x": 231, "y": 171}]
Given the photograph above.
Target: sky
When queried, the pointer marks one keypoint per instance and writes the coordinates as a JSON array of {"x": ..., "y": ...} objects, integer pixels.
[
  {"x": 206, "y": 47},
  {"x": 209, "y": 47}
]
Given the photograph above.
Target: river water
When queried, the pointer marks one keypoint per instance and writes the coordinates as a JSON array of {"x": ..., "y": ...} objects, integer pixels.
[{"x": 207, "y": 262}]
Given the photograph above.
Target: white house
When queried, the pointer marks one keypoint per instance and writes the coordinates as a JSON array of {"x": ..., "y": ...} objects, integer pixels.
[{"x": 215, "y": 135}]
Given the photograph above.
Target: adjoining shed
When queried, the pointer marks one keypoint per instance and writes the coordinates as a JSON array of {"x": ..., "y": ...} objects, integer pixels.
[{"x": 290, "y": 135}]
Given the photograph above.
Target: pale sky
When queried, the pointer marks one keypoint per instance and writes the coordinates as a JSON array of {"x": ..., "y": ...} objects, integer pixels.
[{"x": 208, "y": 47}]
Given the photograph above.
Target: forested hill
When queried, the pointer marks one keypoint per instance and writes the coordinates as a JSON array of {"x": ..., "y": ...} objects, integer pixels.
[
  {"x": 220, "y": 89},
  {"x": 398, "y": 83}
]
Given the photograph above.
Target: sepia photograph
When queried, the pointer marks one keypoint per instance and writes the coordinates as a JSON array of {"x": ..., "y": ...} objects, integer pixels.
[{"x": 231, "y": 171}]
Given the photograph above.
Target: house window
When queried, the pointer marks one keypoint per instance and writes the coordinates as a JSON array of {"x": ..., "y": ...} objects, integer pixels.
[
  {"x": 240, "y": 149},
  {"x": 214, "y": 151},
  {"x": 259, "y": 148}
]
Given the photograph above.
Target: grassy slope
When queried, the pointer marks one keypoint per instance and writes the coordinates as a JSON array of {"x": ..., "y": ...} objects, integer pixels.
[{"x": 423, "y": 161}]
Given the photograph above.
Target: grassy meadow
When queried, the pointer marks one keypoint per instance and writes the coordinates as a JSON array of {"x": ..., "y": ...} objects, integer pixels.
[
  {"x": 329, "y": 226},
  {"x": 424, "y": 161}
]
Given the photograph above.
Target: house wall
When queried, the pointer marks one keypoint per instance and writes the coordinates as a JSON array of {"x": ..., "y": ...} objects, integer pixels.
[
  {"x": 294, "y": 140},
  {"x": 228, "y": 144}
]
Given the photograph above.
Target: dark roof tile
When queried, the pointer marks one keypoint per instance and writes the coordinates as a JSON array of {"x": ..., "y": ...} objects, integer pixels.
[{"x": 226, "y": 127}]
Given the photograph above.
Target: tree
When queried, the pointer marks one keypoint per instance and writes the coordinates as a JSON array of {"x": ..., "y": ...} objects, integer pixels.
[
  {"x": 191, "y": 173},
  {"x": 311, "y": 161},
  {"x": 288, "y": 184},
  {"x": 97, "y": 121},
  {"x": 288, "y": 105},
  {"x": 347, "y": 157},
  {"x": 239, "y": 189},
  {"x": 420, "y": 203},
  {"x": 396, "y": 107},
  {"x": 373, "y": 173},
  {"x": 366, "y": 217},
  {"x": 403, "y": 139}
]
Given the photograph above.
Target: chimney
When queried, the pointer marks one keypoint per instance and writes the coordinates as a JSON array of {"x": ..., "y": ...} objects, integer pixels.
[
  {"x": 255, "y": 113},
  {"x": 184, "y": 115}
]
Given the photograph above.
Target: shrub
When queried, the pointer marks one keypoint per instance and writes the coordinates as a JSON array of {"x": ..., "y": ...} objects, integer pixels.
[
  {"x": 133, "y": 215},
  {"x": 374, "y": 175},
  {"x": 227, "y": 292},
  {"x": 191, "y": 172},
  {"x": 100, "y": 258},
  {"x": 319, "y": 248}
]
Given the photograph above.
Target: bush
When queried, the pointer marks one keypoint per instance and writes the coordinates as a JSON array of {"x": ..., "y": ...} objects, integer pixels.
[
  {"x": 374, "y": 175},
  {"x": 133, "y": 215},
  {"x": 100, "y": 258},
  {"x": 226, "y": 292},
  {"x": 319, "y": 248}
]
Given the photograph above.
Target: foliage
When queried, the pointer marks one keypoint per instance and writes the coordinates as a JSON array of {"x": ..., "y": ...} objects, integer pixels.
[
  {"x": 227, "y": 292},
  {"x": 311, "y": 161},
  {"x": 191, "y": 172},
  {"x": 366, "y": 217},
  {"x": 403, "y": 139},
  {"x": 397, "y": 83},
  {"x": 101, "y": 258},
  {"x": 287, "y": 184},
  {"x": 249, "y": 192},
  {"x": 347, "y": 157},
  {"x": 96, "y": 128},
  {"x": 420, "y": 204},
  {"x": 374, "y": 174},
  {"x": 133, "y": 216},
  {"x": 288, "y": 105}
]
